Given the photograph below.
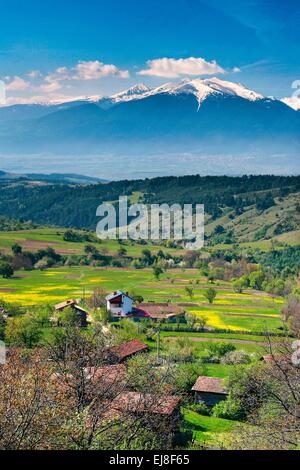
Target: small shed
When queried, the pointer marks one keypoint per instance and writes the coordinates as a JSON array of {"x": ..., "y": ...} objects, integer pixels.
[
  {"x": 126, "y": 350},
  {"x": 71, "y": 303},
  {"x": 166, "y": 408},
  {"x": 209, "y": 390}
]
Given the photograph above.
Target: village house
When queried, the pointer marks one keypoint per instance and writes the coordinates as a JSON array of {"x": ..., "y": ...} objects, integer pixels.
[
  {"x": 126, "y": 350},
  {"x": 106, "y": 375},
  {"x": 119, "y": 303},
  {"x": 158, "y": 311},
  {"x": 166, "y": 408},
  {"x": 277, "y": 359},
  {"x": 209, "y": 390},
  {"x": 71, "y": 303}
]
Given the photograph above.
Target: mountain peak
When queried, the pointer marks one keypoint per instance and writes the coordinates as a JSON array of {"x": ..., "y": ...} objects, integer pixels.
[
  {"x": 131, "y": 93},
  {"x": 202, "y": 88}
]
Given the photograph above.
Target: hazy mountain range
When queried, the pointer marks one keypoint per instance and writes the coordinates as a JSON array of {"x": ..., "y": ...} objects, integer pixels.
[{"x": 204, "y": 118}]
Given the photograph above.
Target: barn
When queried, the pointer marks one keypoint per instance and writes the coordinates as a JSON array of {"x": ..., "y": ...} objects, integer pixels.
[{"x": 209, "y": 390}]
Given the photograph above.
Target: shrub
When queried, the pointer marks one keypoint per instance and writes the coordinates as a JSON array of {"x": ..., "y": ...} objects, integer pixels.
[
  {"x": 228, "y": 409},
  {"x": 22, "y": 331},
  {"x": 236, "y": 357},
  {"x": 218, "y": 349},
  {"x": 201, "y": 408},
  {"x": 210, "y": 295},
  {"x": 6, "y": 270}
]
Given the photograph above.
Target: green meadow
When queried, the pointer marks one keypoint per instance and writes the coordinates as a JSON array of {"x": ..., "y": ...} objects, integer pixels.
[
  {"x": 250, "y": 311},
  {"x": 54, "y": 237}
]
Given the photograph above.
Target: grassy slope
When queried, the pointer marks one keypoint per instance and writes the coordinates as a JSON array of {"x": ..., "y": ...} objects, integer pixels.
[
  {"x": 43, "y": 237},
  {"x": 204, "y": 426},
  {"x": 248, "y": 224}
]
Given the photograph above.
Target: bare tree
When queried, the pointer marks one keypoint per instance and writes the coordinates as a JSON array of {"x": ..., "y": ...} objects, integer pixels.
[{"x": 76, "y": 395}]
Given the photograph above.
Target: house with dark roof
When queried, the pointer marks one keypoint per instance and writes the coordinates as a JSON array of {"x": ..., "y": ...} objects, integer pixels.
[
  {"x": 126, "y": 350},
  {"x": 72, "y": 303},
  {"x": 209, "y": 390},
  {"x": 119, "y": 303}
]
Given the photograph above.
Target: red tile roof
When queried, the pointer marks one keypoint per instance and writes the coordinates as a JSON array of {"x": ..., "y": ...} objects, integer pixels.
[
  {"x": 66, "y": 303},
  {"x": 111, "y": 374},
  {"x": 134, "y": 402},
  {"x": 276, "y": 358},
  {"x": 209, "y": 385},
  {"x": 161, "y": 310},
  {"x": 129, "y": 348}
]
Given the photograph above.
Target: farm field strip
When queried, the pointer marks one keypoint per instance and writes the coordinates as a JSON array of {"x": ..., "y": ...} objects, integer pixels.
[{"x": 56, "y": 284}]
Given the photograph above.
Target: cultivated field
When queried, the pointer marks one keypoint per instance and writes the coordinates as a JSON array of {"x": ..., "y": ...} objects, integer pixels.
[{"x": 249, "y": 311}]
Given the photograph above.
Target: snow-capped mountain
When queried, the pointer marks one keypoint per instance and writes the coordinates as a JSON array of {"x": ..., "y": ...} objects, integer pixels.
[
  {"x": 201, "y": 89},
  {"x": 199, "y": 116},
  {"x": 133, "y": 93}
]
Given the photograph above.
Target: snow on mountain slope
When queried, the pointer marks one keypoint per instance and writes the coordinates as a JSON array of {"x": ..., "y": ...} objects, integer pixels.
[
  {"x": 231, "y": 88},
  {"x": 135, "y": 92},
  {"x": 201, "y": 89}
]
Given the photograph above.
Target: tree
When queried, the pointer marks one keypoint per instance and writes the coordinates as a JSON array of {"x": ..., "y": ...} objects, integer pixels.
[
  {"x": 157, "y": 272},
  {"x": 238, "y": 286},
  {"x": 256, "y": 279},
  {"x": 32, "y": 408},
  {"x": 191, "y": 320},
  {"x": 201, "y": 322},
  {"x": 68, "y": 317},
  {"x": 22, "y": 331},
  {"x": 218, "y": 349},
  {"x": 210, "y": 295},
  {"x": 136, "y": 297},
  {"x": 16, "y": 249},
  {"x": 291, "y": 314},
  {"x": 236, "y": 357},
  {"x": 147, "y": 257},
  {"x": 219, "y": 229},
  {"x": 97, "y": 299},
  {"x": 180, "y": 349},
  {"x": 122, "y": 252},
  {"x": 79, "y": 359},
  {"x": 190, "y": 291},
  {"x": 6, "y": 270},
  {"x": 43, "y": 263}
]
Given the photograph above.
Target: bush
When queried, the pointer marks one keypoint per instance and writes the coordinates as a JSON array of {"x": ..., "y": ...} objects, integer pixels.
[
  {"x": 186, "y": 375},
  {"x": 236, "y": 357},
  {"x": 228, "y": 409},
  {"x": 22, "y": 331},
  {"x": 180, "y": 350},
  {"x": 6, "y": 270},
  {"x": 219, "y": 349},
  {"x": 201, "y": 408}
]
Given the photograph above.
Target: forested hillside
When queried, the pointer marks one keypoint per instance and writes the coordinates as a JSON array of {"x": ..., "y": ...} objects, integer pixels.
[{"x": 248, "y": 208}]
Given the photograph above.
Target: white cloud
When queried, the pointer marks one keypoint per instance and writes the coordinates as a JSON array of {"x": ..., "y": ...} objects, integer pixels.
[
  {"x": 83, "y": 71},
  {"x": 173, "y": 68},
  {"x": 17, "y": 84},
  {"x": 92, "y": 70},
  {"x": 45, "y": 87},
  {"x": 86, "y": 70},
  {"x": 34, "y": 74},
  {"x": 51, "y": 98},
  {"x": 292, "y": 101},
  {"x": 51, "y": 84}
]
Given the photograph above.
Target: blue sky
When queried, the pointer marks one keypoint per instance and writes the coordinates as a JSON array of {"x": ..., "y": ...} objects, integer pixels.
[{"x": 60, "y": 49}]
